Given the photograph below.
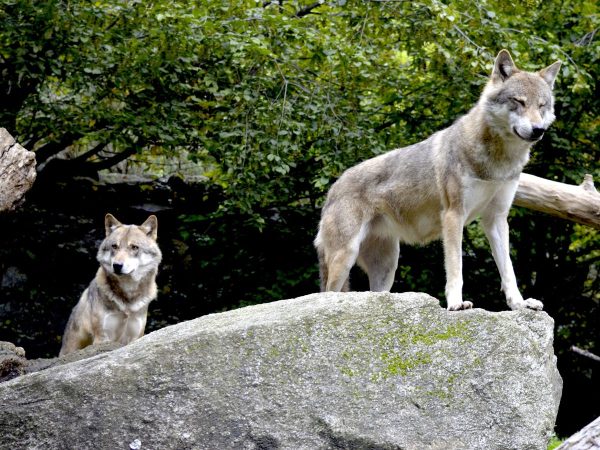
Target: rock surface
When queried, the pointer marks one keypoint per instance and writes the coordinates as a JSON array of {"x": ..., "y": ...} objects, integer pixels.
[
  {"x": 14, "y": 364},
  {"x": 352, "y": 370},
  {"x": 12, "y": 361},
  {"x": 17, "y": 171}
]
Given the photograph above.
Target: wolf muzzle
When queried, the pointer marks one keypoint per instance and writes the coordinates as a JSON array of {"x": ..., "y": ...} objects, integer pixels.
[
  {"x": 537, "y": 132},
  {"x": 535, "y": 135}
]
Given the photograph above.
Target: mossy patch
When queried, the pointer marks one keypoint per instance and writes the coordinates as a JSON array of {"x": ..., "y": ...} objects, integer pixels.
[
  {"x": 398, "y": 364},
  {"x": 399, "y": 351}
]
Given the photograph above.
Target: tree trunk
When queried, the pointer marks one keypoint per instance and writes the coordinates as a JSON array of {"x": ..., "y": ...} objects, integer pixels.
[
  {"x": 577, "y": 203},
  {"x": 17, "y": 171},
  {"x": 586, "y": 439}
]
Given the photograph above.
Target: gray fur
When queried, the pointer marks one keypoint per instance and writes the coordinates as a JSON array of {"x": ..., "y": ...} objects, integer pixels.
[
  {"x": 432, "y": 189},
  {"x": 114, "y": 306}
]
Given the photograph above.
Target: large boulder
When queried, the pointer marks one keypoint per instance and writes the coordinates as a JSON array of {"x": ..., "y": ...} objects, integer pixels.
[
  {"x": 352, "y": 370},
  {"x": 17, "y": 169}
]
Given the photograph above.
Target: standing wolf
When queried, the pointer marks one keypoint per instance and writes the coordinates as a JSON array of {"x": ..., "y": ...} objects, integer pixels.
[
  {"x": 114, "y": 306},
  {"x": 432, "y": 189}
]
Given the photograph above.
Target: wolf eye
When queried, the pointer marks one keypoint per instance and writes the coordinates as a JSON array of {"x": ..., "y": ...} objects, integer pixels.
[
  {"x": 134, "y": 247},
  {"x": 519, "y": 101},
  {"x": 114, "y": 246}
]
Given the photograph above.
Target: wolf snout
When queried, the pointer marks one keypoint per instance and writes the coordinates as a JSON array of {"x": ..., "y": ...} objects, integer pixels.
[
  {"x": 537, "y": 132},
  {"x": 117, "y": 268}
]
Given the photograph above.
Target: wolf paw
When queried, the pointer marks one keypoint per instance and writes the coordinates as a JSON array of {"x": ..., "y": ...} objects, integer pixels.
[
  {"x": 530, "y": 303},
  {"x": 460, "y": 306}
]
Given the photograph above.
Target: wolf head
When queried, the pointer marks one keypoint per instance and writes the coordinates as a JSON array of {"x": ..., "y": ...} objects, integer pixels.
[
  {"x": 520, "y": 104},
  {"x": 129, "y": 250}
]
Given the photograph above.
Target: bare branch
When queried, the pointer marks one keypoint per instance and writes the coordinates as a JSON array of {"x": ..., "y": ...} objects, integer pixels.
[
  {"x": 585, "y": 353},
  {"x": 577, "y": 203},
  {"x": 113, "y": 160},
  {"x": 308, "y": 9}
]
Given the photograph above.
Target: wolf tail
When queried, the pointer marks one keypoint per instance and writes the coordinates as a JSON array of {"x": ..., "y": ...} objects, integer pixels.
[{"x": 323, "y": 272}]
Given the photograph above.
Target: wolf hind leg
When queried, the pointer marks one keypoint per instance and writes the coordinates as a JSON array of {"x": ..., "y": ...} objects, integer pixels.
[
  {"x": 337, "y": 254},
  {"x": 78, "y": 333},
  {"x": 378, "y": 257},
  {"x": 339, "y": 269}
]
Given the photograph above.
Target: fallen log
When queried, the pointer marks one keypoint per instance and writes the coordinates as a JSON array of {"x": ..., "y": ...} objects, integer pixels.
[
  {"x": 580, "y": 204},
  {"x": 17, "y": 171},
  {"x": 586, "y": 439}
]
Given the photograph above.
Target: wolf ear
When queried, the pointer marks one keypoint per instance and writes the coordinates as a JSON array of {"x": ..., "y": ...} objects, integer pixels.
[
  {"x": 550, "y": 72},
  {"x": 110, "y": 223},
  {"x": 504, "y": 66},
  {"x": 150, "y": 227}
]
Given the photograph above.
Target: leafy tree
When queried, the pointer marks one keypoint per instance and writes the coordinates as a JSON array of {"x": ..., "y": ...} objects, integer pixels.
[{"x": 279, "y": 98}]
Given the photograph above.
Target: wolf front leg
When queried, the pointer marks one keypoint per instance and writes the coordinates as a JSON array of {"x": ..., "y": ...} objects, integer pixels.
[
  {"x": 452, "y": 229},
  {"x": 495, "y": 227}
]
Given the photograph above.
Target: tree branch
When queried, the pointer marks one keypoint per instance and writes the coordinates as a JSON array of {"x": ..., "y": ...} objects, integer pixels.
[
  {"x": 308, "y": 9},
  {"x": 93, "y": 151},
  {"x": 114, "y": 160},
  {"x": 585, "y": 353},
  {"x": 577, "y": 203},
  {"x": 52, "y": 148}
]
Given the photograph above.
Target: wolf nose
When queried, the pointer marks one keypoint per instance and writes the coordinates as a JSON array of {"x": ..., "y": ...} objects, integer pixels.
[
  {"x": 537, "y": 132},
  {"x": 117, "y": 268}
]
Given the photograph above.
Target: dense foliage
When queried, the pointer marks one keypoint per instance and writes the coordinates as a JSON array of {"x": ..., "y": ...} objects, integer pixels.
[{"x": 276, "y": 99}]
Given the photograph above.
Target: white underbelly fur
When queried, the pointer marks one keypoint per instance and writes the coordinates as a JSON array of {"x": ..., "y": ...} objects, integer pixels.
[
  {"x": 425, "y": 225},
  {"x": 121, "y": 328},
  {"x": 419, "y": 229}
]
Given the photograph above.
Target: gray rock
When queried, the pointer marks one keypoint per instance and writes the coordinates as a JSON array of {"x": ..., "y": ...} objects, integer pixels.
[
  {"x": 351, "y": 371},
  {"x": 35, "y": 365},
  {"x": 13, "y": 277},
  {"x": 14, "y": 364},
  {"x": 17, "y": 166},
  {"x": 12, "y": 361}
]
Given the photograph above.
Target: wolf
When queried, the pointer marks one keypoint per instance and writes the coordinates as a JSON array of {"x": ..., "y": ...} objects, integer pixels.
[
  {"x": 114, "y": 306},
  {"x": 434, "y": 188}
]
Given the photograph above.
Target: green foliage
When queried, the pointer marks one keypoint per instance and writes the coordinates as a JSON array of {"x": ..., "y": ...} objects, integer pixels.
[
  {"x": 277, "y": 100},
  {"x": 555, "y": 442}
]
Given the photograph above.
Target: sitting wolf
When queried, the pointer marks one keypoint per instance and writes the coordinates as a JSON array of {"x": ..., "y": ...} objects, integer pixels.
[
  {"x": 434, "y": 188},
  {"x": 114, "y": 306}
]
